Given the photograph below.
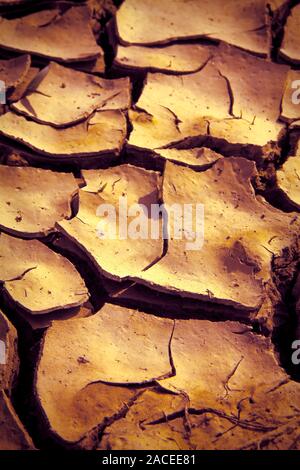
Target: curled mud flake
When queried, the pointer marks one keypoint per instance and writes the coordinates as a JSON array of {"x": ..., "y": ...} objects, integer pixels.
[
  {"x": 199, "y": 158},
  {"x": 14, "y": 71},
  {"x": 45, "y": 197},
  {"x": 48, "y": 101},
  {"x": 148, "y": 23},
  {"x": 106, "y": 241},
  {"x": 103, "y": 133},
  {"x": 288, "y": 181},
  {"x": 20, "y": 90},
  {"x": 236, "y": 119},
  {"x": 234, "y": 269},
  {"x": 177, "y": 58},
  {"x": 290, "y": 45},
  {"x": 38, "y": 322},
  {"x": 180, "y": 106},
  {"x": 228, "y": 391},
  {"x": 30, "y": 268},
  {"x": 37, "y": 34},
  {"x": 258, "y": 106},
  {"x": 95, "y": 355}
]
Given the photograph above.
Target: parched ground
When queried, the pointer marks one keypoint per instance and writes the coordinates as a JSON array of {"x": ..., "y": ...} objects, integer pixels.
[{"x": 143, "y": 343}]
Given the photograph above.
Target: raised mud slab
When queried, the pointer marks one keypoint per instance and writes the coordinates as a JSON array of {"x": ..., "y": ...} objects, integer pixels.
[{"x": 161, "y": 336}]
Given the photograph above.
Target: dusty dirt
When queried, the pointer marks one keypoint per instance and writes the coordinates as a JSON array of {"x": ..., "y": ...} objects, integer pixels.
[{"x": 142, "y": 342}]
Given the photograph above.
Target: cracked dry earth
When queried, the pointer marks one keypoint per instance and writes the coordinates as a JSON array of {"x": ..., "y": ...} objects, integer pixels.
[{"x": 142, "y": 344}]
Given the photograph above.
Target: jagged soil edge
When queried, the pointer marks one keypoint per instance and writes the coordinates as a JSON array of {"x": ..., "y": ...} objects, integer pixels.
[{"x": 285, "y": 268}]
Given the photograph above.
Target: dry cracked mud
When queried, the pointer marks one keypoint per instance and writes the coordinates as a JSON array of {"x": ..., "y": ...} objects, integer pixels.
[{"x": 161, "y": 335}]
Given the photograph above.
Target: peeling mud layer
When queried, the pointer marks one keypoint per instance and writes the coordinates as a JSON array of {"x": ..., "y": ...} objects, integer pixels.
[{"x": 149, "y": 225}]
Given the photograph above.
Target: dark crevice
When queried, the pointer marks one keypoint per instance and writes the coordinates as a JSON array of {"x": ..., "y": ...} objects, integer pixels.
[
  {"x": 285, "y": 271},
  {"x": 116, "y": 417},
  {"x": 35, "y": 6},
  {"x": 230, "y": 93},
  {"x": 278, "y": 21},
  {"x": 28, "y": 347},
  {"x": 98, "y": 295},
  {"x": 245, "y": 424},
  {"x": 221, "y": 146},
  {"x": 266, "y": 185}
]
